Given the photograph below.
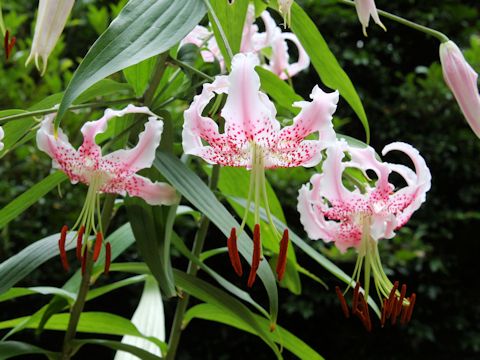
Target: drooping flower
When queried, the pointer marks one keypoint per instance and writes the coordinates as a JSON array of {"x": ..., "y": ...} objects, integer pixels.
[
  {"x": 279, "y": 61},
  {"x": 360, "y": 216},
  {"x": 253, "y": 138},
  {"x": 272, "y": 44},
  {"x": 51, "y": 19},
  {"x": 365, "y": 9},
  {"x": 462, "y": 81},
  {"x": 2, "y": 134},
  {"x": 113, "y": 173},
  {"x": 284, "y": 6}
]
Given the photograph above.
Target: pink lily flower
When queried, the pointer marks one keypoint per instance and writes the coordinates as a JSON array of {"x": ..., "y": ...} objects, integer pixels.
[
  {"x": 114, "y": 173},
  {"x": 203, "y": 38},
  {"x": 2, "y": 134},
  {"x": 279, "y": 61},
  {"x": 359, "y": 218},
  {"x": 254, "y": 41},
  {"x": 365, "y": 9},
  {"x": 51, "y": 19},
  {"x": 253, "y": 138},
  {"x": 462, "y": 81}
]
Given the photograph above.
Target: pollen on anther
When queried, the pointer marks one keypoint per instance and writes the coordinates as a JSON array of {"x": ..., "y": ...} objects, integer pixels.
[
  {"x": 233, "y": 252},
  {"x": 98, "y": 246},
  {"x": 61, "y": 247},
  {"x": 343, "y": 302},
  {"x": 282, "y": 256},
  {"x": 108, "y": 258}
]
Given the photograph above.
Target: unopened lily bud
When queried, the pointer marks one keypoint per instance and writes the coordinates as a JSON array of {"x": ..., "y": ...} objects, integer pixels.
[
  {"x": 365, "y": 9},
  {"x": 51, "y": 19},
  {"x": 462, "y": 81}
]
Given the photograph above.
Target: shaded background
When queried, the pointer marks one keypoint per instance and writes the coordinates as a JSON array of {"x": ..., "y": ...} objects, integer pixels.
[{"x": 400, "y": 83}]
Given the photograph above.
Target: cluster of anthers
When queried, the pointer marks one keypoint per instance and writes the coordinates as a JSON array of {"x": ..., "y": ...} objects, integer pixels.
[
  {"x": 360, "y": 215},
  {"x": 393, "y": 306}
]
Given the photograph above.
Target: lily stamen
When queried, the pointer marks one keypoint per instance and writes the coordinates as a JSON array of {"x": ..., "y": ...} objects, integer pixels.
[
  {"x": 233, "y": 252},
  {"x": 282, "y": 256},
  {"x": 108, "y": 258},
  {"x": 255, "y": 256},
  {"x": 80, "y": 233},
  {"x": 61, "y": 247}
]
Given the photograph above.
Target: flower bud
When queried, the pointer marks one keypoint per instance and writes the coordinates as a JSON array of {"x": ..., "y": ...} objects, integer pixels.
[
  {"x": 365, "y": 9},
  {"x": 462, "y": 81},
  {"x": 51, "y": 19}
]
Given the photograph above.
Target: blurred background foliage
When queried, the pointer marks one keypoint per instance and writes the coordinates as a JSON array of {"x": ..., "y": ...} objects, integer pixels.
[{"x": 398, "y": 76}]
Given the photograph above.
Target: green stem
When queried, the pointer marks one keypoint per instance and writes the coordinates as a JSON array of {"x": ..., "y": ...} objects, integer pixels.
[
  {"x": 77, "y": 308},
  {"x": 73, "y": 107},
  {"x": 191, "y": 270},
  {"x": 440, "y": 36},
  {"x": 190, "y": 68},
  {"x": 155, "y": 80}
]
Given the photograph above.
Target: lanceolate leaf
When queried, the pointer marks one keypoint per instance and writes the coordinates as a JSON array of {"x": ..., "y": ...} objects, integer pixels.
[
  {"x": 325, "y": 63},
  {"x": 194, "y": 190},
  {"x": 226, "y": 303},
  {"x": 143, "y": 28},
  {"x": 116, "y": 345},
  {"x": 280, "y": 335},
  {"x": 149, "y": 230},
  {"x": 10, "y": 349},
  {"x": 29, "y": 197}
]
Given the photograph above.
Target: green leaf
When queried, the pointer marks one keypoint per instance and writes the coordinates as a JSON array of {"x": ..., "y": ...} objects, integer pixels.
[
  {"x": 18, "y": 266},
  {"x": 116, "y": 345},
  {"x": 14, "y": 293},
  {"x": 280, "y": 335},
  {"x": 90, "y": 322},
  {"x": 144, "y": 28},
  {"x": 102, "y": 290},
  {"x": 138, "y": 75},
  {"x": 149, "y": 229},
  {"x": 194, "y": 190},
  {"x": 29, "y": 197},
  {"x": 325, "y": 63},
  {"x": 232, "y": 19},
  {"x": 10, "y": 349},
  {"x": 226, "y": 303},
  {"x": 283, "y": 94}
]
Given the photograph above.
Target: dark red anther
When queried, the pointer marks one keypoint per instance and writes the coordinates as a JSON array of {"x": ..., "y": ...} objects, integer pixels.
[
  {"x": 343, "y": 303},
  {"x": 384, "y": 313},
  {"x": 392, "y": 293},
  {"x": 410, "y": 307},
  {"x": 84, "y": 260},
  {"x": 80, "y": 233},
  {"x": 61, "y": 247},
  {"x": 11, "y": 45},
  {"x": 282, "y": 256},
  {"x": 255, "y": 256},
  {"x": 366, "y": 313},
  {"x": 403, "y": 318},
  {"x": 8, "y": 43},
  {"x": 233, "y": 252},
  {"x": 108, "y": 258},
  {"x": 98, "y": 246},
  {"x": 400, "y": 301}
]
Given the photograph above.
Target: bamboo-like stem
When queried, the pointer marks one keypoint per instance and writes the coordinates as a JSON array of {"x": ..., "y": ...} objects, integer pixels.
[
  {"x": 73, "y": 107},
  {"x": 77, "y": 308},
  {"x": 191, "y": 270}
]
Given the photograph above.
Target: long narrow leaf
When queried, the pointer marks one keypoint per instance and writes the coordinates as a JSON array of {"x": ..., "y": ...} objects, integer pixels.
[{"x": 143, "y": 28}]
